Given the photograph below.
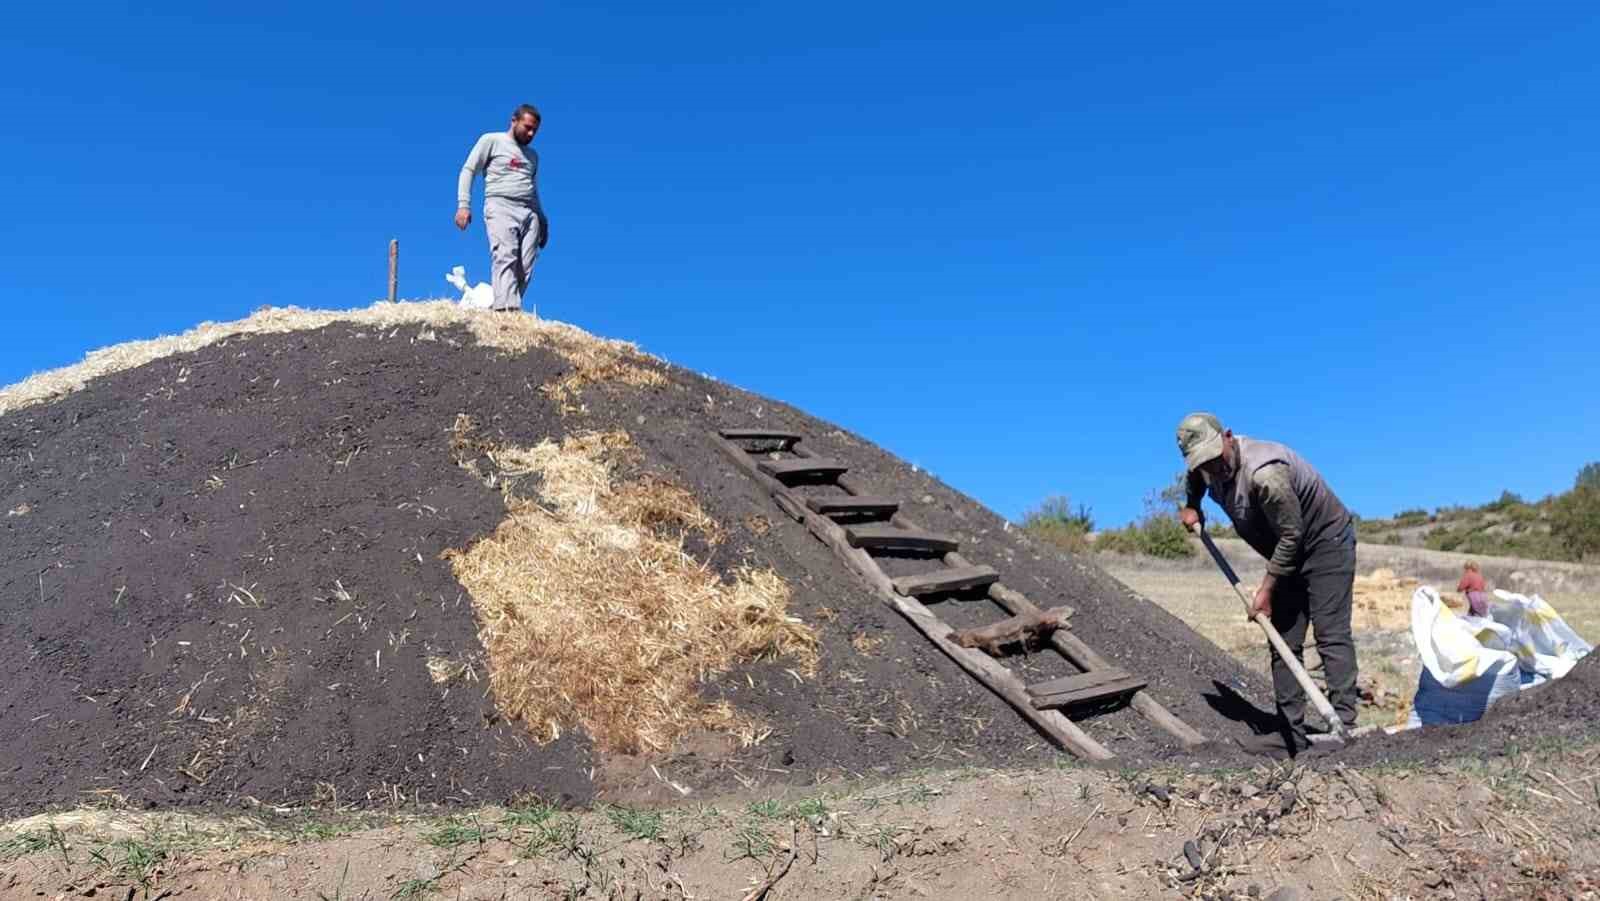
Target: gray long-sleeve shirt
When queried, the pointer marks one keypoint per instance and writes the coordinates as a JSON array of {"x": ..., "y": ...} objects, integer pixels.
[{"x": 510, "y": 171}]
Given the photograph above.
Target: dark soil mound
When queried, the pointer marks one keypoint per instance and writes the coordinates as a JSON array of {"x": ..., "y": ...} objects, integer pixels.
[
  {"x": 221, "y": 581},
  {"x": 1558, "y": 713}
]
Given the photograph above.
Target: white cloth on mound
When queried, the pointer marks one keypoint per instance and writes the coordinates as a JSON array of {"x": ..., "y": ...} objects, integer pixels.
[
  {"x": 1470, "y": 662},
  {"x": 477, "y": 297}
]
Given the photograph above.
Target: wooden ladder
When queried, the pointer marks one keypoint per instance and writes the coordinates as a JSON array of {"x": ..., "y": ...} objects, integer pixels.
[{"x": 855, "y": 525}]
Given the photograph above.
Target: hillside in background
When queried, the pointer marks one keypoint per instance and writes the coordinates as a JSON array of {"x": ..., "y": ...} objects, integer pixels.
[{"x": 1563, "y": 527}]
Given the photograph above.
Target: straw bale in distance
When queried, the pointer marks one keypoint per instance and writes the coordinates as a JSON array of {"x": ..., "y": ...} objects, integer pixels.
[{"x": 594, "y": 615}]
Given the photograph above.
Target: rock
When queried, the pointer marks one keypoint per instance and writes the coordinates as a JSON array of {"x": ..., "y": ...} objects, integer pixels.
[
  {"x": 1248, "y": 791},
  {"x": 1287, "y": 797},
  {"x": 1254, "y": 890},
  {"x": 1191, "y": 853},
  {"x": 927, "y": 499},
  {"x": 1286, "y": 893}
]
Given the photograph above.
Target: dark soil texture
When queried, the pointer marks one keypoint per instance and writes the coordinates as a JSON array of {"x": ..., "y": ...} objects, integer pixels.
[{"x": 225, "y": 580}]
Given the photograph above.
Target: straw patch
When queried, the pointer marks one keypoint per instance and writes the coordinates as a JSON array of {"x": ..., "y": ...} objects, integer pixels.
[
  {"x": 593, "y": 614},
  {"x": 1382, "y": 601},
  {"x": 593, "y": 359}
]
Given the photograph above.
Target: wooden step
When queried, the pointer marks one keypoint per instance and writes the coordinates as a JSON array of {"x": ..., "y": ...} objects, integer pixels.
[
  {"x": 797, "y": 470},
  {"x": 956, "y": 578},
  {"x": 786, "y": 438},
  {"x": 1091, "y": 686},
  {"x": 844, "y": 504},
  {"x": 883, "y": 535}
]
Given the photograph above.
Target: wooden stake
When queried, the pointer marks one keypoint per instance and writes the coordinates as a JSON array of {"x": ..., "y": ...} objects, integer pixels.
[{"x": 394, "y": 267}]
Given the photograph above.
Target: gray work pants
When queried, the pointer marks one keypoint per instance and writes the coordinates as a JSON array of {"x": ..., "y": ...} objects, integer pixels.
[
  {"x": 513, "y": 229},
  {"x": 1321, "y": 595}
]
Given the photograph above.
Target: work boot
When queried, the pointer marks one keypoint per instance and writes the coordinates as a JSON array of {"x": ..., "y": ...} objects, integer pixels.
[{"x": 1280, "y": 746}]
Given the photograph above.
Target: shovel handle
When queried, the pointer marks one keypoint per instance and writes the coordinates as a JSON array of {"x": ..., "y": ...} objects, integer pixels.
[{"x": 1279, "y": 646}]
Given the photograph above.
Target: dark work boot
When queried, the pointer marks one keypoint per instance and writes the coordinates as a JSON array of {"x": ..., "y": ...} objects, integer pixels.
[{"x": 1282, "y": 745}]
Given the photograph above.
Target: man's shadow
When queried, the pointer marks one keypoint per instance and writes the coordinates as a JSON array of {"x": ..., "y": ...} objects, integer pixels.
[{"x": 1232, "y": 705}]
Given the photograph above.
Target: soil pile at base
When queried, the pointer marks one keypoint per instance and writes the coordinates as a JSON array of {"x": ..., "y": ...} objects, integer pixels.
[{"x": 221, "y": 584}]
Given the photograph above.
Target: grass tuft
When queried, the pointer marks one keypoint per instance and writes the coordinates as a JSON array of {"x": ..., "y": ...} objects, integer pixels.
[{"x": 645, "y": 825}]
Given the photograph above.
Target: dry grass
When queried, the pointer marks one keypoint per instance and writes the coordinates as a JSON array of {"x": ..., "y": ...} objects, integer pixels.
[
  {"x": 593, "y": 359},
  {"x": 592, "y": 613}
]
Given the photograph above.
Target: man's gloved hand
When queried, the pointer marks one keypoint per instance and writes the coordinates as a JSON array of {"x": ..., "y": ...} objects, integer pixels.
[{"x": 1189, "y": 516}]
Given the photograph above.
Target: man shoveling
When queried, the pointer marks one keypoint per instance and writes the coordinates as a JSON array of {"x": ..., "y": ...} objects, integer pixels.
[
  {"x": 512, "y": 216},
  {"x": 1283, "y": 509}
]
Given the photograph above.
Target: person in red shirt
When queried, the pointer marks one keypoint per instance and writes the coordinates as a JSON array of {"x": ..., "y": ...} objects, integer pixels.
[{"x": 1473, "y": 587}]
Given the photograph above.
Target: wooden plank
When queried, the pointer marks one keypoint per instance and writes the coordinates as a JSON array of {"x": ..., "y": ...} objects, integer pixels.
[
  {"x": 1089, "y": 695},
  {"x": 1105, "y": 691},
  {"x": 786, "y": 438},
  {"x": 1052, "y": 723},
  {"x": 993, "y": 637},
  {"x": 881, "y": 506},
  {"x": 802, "y": 468},
  {"x": 955, "y": 578},
  {"x": 1078, "y": 681},
  {"x": 887, "y": 536}
]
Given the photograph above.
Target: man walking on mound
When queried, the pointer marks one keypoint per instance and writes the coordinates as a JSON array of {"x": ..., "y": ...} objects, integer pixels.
[
  {"x": 516, "y": 223},
  {"x": 1283, "y": 509}
]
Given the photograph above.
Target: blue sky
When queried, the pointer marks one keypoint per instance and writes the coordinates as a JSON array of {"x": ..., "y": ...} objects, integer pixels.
[{"x": 1013, "y": 243}]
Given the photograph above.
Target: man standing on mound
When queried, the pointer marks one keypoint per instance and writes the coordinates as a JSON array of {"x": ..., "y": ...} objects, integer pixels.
[
  {"x": 1283, "y": 509},
  {"x": 516, "y": 223}
]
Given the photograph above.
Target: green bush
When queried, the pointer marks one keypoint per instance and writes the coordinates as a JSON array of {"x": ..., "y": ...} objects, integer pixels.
[
  {"x": 1055, "y": 522},
  {"x": 1058, "y": 509},
  {"x": 1062, "y": 535},
  {"x": 1575, "y": 519},
  {"x": 1164, "y": 536},
  {"x": 1588, "y": 476},
  {"x": 1412, "y": 517},
  {"x": 1445, "y": 539},
  {"x": 1506, "y": 500},
  {"x": 1153, "y": 536}
]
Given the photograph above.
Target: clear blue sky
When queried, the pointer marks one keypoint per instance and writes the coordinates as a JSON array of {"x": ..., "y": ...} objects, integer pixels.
[{"x": 1012, "y": 242}]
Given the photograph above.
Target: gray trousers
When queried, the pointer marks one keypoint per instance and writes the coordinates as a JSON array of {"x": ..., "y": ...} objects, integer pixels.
[
  {"x": 1320, "y": 595},
  {"x": 513, "y": 247}
]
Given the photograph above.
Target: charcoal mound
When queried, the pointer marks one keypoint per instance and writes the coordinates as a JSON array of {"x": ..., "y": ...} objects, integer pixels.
[{"x": 223, "y": 576}]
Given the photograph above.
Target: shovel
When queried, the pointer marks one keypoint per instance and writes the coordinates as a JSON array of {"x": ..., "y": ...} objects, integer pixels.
[{"x": 1318, "y": 699}]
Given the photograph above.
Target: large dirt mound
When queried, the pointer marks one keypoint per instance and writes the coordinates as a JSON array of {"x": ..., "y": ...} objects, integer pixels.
[{"x": 226, "y": 579}]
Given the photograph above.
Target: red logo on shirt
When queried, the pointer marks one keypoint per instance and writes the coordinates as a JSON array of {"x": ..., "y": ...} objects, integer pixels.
[{"x": 515, "y": 163}]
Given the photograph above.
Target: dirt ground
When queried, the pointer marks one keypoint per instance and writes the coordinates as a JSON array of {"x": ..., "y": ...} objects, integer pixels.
[{"x": 1517, "y": 826}]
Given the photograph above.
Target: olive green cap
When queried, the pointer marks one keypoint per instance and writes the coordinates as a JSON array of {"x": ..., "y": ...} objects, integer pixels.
[{"x": 1199, "y": 439}]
